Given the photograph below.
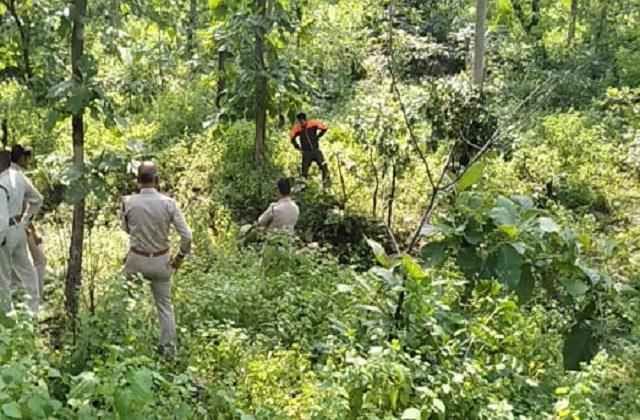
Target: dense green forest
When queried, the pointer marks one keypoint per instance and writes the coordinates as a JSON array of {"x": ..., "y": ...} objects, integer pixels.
[{"x": 477, "y": 255}]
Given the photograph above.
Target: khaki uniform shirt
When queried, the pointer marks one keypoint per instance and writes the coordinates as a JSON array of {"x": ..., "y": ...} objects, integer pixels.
[
  {"x": 281, "y": 215},
  {"x": 22, "y": 195},
  {"x": 4, "y": 214},
  {"x": 148, "y": 216}
]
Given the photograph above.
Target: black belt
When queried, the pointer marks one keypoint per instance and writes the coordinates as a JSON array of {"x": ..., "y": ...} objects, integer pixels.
[{"x": 150, "y": 254}]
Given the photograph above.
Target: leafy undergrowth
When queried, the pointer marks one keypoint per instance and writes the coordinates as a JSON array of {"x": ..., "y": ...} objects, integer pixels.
[{"x": 284, "y": 331}]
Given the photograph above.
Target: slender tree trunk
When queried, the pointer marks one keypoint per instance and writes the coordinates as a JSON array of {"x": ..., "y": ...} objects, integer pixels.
[
  {"x": 392, "y": 196},
  {"x": 115, "y": 14},
  {"x": 261, "y": 83},
  {"x": 572, "y": 23},
  {"x": 222, "y": 56},
  {"x": 602, "y": 24},
  {"x": 191, "y": 27},
  {"x": 24, "y": 40},
  {"x": 479, "y": 47},
  {"x": 535, "y": 16},
  {"x": 374, "y": 197},
  {"x": 74, "y": 273}
]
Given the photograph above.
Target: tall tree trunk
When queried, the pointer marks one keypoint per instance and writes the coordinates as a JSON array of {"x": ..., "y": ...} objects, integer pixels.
[
  {"x": 535, "y": 16},
  {"x": 572, "y": 23},
  {"x": 602, "y": 24},
  {"x": 261, "y": 83},
  {"x": 74, "y": 273},
  {"x": 479, "y": 47},
  {"x": 24, "y": 40},
  {"x": 115, "y": 16},
  {"x": 191, "y": 27},
  {"x": 392, "y": 195},
  {"x": 222, "y": 57}
]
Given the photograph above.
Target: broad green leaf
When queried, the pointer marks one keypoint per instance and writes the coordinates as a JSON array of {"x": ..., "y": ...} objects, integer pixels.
[
  {"x": 379, "y": 252},
  {"x": 384, "y": 273},
  {"x": 37, "y": 405},
  {"x": 506, "y": 264},
  {"x": 471, "y": 177},
  {"x": 60, "y": 90},
  {"x": 523, "y": 201},
  {"x": 79, "y": 99},
  {"x": 511, "y": 231},
  {"x": 547, "y": 225},
  {"x": 521, "y": 247},
  {"x": 413, "y": 269},
  {"x": 85, "y": 387},
  {"x": 474, "y": 232},
  {"x": 214, "y": 4},
  {"x": 579, "y": 346},
  {"x": 434, "y": 254},
  {"x": 122, "y": 400},
  {"x": 470, "y": 262},
  {"x": 411, "y": 414},
  {"x": 574, "y": 286},
  {"x": 438, "y": 405},
  {"x": 504, "y": 213},
  {"x": 12, "y": 410},
  {"x": 141, "y": 384},
  {"x": 527, "y": 284},
  {"x": 53, "y": 117},
  {"x": 591, "y": 274}
]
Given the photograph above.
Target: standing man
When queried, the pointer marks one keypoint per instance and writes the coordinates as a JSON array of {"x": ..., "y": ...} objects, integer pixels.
[
  {"x": 147, "y": 217},
  {"x": 5, "y": 264},
  {"x": 21, "y": 161},
  {"x": 283, "y": 214},
  {"x": 310, "y": 132},
  {"x": 23, "y": 204}
]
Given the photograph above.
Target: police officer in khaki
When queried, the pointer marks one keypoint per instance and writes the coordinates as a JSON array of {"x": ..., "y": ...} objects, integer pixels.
[
  {"x": 23, "y": 204},
  {"x": 283, "y": 214},
  {"x": 147, "y": 217},
  {"x": 20, "y": 161},
  {"x": 5, "y": 269}
]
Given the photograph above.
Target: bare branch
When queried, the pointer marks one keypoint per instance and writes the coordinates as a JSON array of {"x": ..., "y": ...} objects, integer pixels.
[
  {"x": 396, "y": 92},
  {"x": 396, "y": 247}
]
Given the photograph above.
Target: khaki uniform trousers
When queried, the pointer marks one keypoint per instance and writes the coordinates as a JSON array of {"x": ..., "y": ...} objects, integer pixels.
[
  {"x": 17, "y": 265},
  {"x": 158, "y": 272},
  {"x": 5, "y": 279}
]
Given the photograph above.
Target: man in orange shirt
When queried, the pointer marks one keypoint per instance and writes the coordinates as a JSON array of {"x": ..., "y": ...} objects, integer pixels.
[{"x": 310, "y": 132}]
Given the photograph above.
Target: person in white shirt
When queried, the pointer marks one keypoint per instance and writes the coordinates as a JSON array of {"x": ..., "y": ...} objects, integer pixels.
[
  {"x": 282, "y": 214},
  {"x": 20, "y": 161},
  {"x": 23, "y": 204}
]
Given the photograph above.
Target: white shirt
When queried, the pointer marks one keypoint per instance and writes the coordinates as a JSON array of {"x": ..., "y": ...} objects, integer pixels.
[
  {"x": 4, "y": 214},
  {"x": 281, "y": 215},
  {"x": 147, "y": 218},
  {"x": 22, "y": 194}
]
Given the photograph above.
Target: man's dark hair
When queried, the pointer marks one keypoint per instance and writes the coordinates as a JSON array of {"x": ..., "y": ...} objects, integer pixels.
[
  {"x": 18, "y": 152},
  {"x": 147, "y": 173},
  {"x": 146, "y": 178},
  {"x": 301, "y": 116},
  {"x": 284, "y": 186}
]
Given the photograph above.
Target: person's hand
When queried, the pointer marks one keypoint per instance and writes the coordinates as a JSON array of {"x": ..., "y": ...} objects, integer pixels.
[{"x": 177, "y": 261}]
